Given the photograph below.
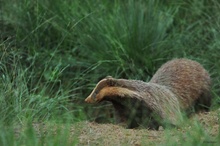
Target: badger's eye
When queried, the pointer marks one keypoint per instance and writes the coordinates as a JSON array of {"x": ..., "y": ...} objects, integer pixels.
[{"x": 95, "y": 93}]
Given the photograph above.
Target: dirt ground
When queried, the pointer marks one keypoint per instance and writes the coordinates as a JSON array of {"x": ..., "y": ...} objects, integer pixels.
[
  {"x": 199, "y": 126},
  {"x": 109, "y": 134}
]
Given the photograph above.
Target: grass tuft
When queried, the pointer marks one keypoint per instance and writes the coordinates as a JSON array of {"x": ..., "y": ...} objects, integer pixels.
[{"x": 52, "y": 53}]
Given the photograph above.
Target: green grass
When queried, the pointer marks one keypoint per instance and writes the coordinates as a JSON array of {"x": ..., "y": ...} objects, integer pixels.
[
  {"x": 52, "y": 135},
  {"x": 54, "y": 52}
]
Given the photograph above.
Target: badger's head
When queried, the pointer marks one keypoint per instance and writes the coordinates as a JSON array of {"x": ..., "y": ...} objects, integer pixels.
[{"x": 98, "y": 93}]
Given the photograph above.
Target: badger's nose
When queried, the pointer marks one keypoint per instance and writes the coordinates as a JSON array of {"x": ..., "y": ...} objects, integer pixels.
[{"x": 88, "y": 99}]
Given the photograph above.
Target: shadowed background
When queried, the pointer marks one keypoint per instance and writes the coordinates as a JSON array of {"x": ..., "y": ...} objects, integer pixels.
[{"x": 54, "y": 52}]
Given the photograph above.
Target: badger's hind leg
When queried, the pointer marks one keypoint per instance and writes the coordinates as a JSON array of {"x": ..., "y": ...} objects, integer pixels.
[{"x": 203, "y": 103}]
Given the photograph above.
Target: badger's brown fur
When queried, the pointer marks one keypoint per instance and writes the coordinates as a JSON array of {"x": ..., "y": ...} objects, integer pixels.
[
  {"x": 179, "y": 85},
  {"x": 188, "y": 80}
]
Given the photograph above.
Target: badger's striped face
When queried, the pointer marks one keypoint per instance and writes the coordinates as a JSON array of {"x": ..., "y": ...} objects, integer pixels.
[
  {"x": 94, "y": 94},
  {"x": 93, "y": 97}
]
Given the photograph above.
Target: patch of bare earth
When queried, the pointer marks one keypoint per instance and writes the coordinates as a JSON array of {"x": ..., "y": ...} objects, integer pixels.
[
  {"x": 90, "y": 133},
  {"x": 209, "y": 121},
  {"x": 109, "y": 134}
]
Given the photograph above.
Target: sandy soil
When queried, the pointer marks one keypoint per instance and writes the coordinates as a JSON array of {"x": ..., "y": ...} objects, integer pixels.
[
  {"x": 109, "y": 134},
  {"x": 91, "y": 133}
]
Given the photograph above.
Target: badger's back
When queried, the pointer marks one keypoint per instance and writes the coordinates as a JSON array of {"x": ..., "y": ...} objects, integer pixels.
[{"x": 187, "y": 79}]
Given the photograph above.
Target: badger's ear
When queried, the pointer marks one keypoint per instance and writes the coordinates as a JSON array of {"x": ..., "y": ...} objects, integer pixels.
[
  {"x": 110, "y": 81},
  {"x": 108, "y": 77}
]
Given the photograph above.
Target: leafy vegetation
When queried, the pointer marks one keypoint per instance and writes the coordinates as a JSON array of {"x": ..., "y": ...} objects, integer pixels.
[{"x": 54, "y": 52}]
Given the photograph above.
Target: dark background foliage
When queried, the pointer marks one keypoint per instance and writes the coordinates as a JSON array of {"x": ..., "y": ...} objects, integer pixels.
[{"x": 58, "y": 50}]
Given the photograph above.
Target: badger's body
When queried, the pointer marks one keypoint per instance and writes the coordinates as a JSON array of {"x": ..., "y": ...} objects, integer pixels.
[{"x": 179, "y": 85}]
